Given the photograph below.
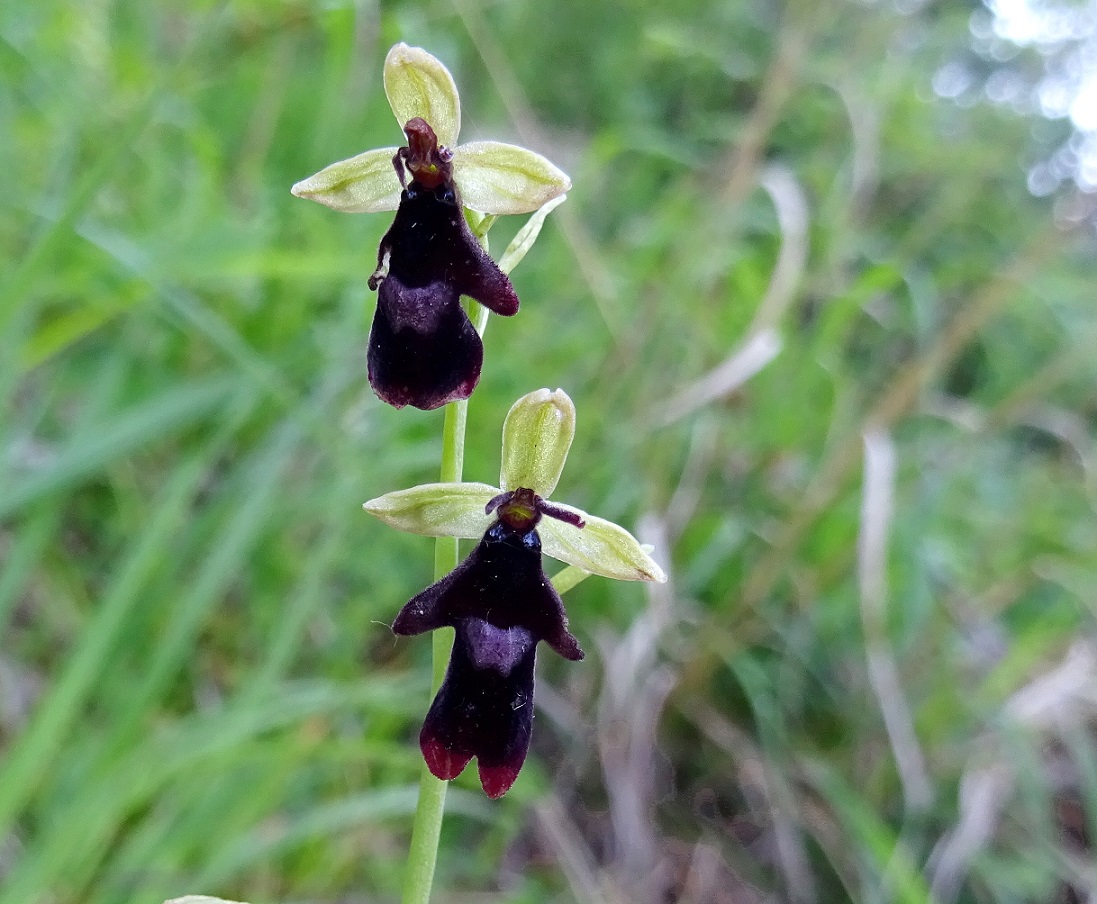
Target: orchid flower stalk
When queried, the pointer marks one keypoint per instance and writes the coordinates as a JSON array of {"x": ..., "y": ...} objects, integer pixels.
[{"x": 425, "y": 351}]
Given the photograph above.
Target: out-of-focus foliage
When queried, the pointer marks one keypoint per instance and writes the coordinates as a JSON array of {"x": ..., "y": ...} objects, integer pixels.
[{"x": 871, "y": 677}]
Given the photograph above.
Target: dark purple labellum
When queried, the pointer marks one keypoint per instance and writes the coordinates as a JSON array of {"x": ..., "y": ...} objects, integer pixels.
[
  {"x": 484, "y": 708},
  {"x": 501, "y": 604},
  {"x": 423, "y": 350}
]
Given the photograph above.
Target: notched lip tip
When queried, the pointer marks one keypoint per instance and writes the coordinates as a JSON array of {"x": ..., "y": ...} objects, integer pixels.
[{"x": 497, "y": 780}]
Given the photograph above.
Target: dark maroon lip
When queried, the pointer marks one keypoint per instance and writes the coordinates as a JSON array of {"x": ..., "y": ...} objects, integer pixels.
[
  {"x": 423, "y": 349},
  {"x": 501, "y": 605}
]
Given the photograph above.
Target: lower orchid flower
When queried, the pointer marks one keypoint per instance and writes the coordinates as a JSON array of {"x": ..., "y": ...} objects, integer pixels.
[
  {"x": 501, "y": 604},
  {"x": 499, "y": 600}
]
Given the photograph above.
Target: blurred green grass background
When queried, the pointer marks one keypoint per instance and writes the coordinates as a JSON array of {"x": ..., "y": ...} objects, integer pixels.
[{"x": 827, "y": 353}]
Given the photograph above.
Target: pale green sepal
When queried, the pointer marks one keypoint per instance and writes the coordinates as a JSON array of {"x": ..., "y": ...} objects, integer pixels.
[
  {"x": 363, "y": 184},
  {"x": 601, "y": 547},
  {"x": 418, "y": 84},
  {"x": 499, "y": 178},
  {"x": 527, "y": 235},
  {"x": 437, "y": 509},
  {"x": 537, "y": 435}
]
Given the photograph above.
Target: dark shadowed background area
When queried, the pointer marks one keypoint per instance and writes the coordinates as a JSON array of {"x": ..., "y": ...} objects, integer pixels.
[{"x": 823, "y": 294}]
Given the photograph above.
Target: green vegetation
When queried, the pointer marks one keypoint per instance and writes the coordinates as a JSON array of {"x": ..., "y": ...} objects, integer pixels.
[{"x": 872, "y": 675}]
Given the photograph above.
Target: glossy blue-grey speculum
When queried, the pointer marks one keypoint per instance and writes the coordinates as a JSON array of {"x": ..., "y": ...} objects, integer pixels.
[
  {"x": 500, "y": 604},
  {"x": 423, "y": 349}
]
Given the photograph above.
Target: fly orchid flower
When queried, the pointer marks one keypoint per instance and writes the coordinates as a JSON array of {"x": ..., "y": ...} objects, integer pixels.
[
  {"x": 499, "y": 600},
  {"x": 423, "y": 349}
]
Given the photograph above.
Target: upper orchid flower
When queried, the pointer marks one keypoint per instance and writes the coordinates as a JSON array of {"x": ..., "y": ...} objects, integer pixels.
[
  {"x": 423, "y": 350},
  {"x": 498, "y": 599}
]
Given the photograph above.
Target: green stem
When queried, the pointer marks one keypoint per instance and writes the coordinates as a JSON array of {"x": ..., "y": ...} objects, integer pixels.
[{"x": 427, "y": 827}]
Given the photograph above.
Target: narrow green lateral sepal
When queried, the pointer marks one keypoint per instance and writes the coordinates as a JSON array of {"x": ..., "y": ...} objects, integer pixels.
[
  {"x": 437, "y": 509},
  {"x": 537, "y": 435}
]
